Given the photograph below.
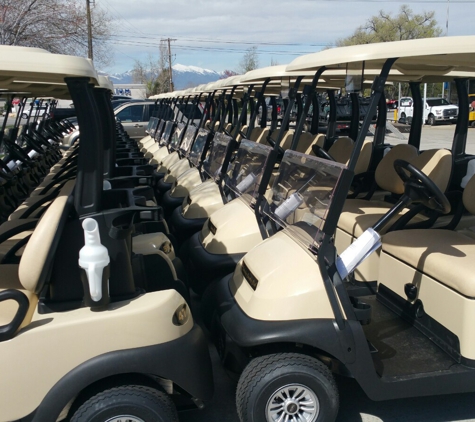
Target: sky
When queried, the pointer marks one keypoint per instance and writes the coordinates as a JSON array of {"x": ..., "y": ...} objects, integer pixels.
[{"x": 215, "y": 34}]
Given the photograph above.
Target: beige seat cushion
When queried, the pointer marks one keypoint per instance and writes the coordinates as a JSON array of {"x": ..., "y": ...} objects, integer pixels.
[
  {"x": 360, "y": 214},
  {"x": 444, "y": 255}
]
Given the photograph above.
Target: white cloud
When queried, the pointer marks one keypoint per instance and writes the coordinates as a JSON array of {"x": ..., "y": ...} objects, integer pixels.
[{"x": 310, "y": 24}]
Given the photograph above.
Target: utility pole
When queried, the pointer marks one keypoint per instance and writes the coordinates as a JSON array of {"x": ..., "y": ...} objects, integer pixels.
[
  {"x": 89, "y": 30},
  {"x": 172, "y": 88}
]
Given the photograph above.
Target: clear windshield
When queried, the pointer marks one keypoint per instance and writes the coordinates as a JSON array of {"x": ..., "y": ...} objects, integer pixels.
[
  {"x": 198, "y": 147},
  {"x": 247, "y": 168},
  {"x": 165, "y": 139},
  {"x": 159, "y": 130},
  {"x": 301, "y": 195},
  {"x": 213, "y": 163},
  {"x": 176, "y": 136},
  {"x": 152, "y": 125},
  {"x": 187, "y": 140}
]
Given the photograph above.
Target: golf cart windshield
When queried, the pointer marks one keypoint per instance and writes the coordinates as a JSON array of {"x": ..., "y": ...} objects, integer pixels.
[
  {"x": 159, "y": 131},
  {"x": 152, "y": 125},
  {"x": 302, "y": 194},
  {"x": 175, "y": 141},
  {"x": 187, "y": 139},
  {"x": 214, "y": 161},
  {"x": 198, "y": 146},
  {"x": 248, "y": 166},
  {"x": 166, "y": 133}
]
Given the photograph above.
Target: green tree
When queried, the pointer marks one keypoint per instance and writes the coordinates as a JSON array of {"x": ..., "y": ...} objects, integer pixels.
[
  {"x": 249, "y": 61},
  {"x": 385, "y": 27}
]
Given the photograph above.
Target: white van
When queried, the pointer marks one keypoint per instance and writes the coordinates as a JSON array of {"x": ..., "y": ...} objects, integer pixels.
[{"x": 436, "y": 110}]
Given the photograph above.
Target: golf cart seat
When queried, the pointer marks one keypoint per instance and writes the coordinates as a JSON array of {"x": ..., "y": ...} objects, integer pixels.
[
  {"x": 259, "y": 134},
  {"x": 308, "y": 139},
  {"x": 436, "y": 266},
  {"x": 361, "y": 214},
  {"x": 30, "y": 275}
]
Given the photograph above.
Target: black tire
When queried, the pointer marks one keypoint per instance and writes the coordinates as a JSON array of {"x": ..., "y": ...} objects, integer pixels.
[
  {"x": 403, "y": 115},
  {"x": 431, "y": 120},
  {"x": 265, "y": 376},
  {"x": 135, "y": 401}
]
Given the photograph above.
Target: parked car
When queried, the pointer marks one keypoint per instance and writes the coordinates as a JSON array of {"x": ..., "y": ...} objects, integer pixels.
[
  {"x": 471, "y": 115},
  {"x": 435, "y": 110},
  {"x": 392, "y": 104}
]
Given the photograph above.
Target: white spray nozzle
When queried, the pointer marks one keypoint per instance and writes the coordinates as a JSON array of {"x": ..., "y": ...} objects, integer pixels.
[
  {"x": 93, "y": 258},
  {"x": 245, "y": 183},
  {"x": 289, "y": 206},
  {"x": 357, "y": 252}
]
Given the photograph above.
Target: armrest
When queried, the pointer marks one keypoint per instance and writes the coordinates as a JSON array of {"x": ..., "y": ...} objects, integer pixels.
[
  {"x": 12, "y": 227},
  {"x": 9, "y": 330}
]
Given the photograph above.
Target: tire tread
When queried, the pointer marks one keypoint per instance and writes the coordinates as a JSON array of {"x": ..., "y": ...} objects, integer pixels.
[
  {"x": 262, "y": 366},
  {"x": 140, "y": 391}
]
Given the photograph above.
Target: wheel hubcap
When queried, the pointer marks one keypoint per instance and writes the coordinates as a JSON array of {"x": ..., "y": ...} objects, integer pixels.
[
  {"x": 293, "y": 403},
  {"x": 125, "y": 418}
]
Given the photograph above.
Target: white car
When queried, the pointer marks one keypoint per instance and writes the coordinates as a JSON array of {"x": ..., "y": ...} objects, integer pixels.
[{"x": 435, "y": 110}]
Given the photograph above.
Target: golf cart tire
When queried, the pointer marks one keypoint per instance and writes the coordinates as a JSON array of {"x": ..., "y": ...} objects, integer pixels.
[
  {"x": 265, "y": 375},
  {"x": 132, "y": 401}
]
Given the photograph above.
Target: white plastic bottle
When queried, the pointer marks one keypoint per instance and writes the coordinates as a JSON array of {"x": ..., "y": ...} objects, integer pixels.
[{"x": 94, "y": 259}]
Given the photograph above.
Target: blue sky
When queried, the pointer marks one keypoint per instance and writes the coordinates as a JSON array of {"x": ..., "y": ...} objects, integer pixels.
[{"x": 214, "y": 34}]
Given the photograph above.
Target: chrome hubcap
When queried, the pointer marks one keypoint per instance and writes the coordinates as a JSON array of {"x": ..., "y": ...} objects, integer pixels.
[
  {"x": 293, "y": 403},
  {"x": 125, "y": 418}
]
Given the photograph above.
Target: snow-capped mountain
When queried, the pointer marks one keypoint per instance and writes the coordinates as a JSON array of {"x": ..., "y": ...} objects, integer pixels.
[{"x": 183, "y": 76}]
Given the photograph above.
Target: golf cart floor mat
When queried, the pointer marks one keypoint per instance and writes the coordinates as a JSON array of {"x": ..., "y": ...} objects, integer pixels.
[{"x": 401, "y": 349}]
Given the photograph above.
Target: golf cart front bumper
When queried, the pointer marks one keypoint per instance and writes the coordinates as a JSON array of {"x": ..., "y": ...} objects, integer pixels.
[{"x": 235, "y": 334}]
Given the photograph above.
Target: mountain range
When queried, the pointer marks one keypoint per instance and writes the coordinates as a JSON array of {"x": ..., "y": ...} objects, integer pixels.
[{"x": 183, "y": 76}]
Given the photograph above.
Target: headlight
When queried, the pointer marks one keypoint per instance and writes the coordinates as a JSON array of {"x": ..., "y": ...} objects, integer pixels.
[{"x": 181, "y": 315}]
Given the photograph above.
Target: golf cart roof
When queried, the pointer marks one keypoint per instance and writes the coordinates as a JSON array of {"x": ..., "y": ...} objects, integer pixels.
[
  {"x": 105, "y": 82},
  {"x": 430, "y": 56},
  {"x": 35, "y": 72},
  {"x": 22, "y": 65}
]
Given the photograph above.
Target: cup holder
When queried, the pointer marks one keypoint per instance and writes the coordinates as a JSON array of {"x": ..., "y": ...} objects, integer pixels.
[{"x": 362, "y": 310}]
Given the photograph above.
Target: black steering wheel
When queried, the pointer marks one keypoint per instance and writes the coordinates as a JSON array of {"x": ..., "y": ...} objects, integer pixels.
[
  {"x": 320, "y": 152},
  {"x": 419, "y": 187},
  {"x": 17, "y": 150},
  {"x": 280, "y": 150}
]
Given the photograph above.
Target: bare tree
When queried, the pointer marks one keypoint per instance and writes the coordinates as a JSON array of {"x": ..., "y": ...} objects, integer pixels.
[
  {"x": 250, "y": 60},
  {"x": 153, "y": 73},
  {"x": 58, "y": 26}
]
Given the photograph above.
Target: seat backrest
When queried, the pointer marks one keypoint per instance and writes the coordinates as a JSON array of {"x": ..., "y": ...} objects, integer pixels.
[
  {"x": 318, "y": 139},
  {"x": 469, "y": 196},
  {"x": 437, "y": 164},
  {"x": 261, "y": 138},
  {"x": 341, "y": 149},
  {"x": 365, "y": 156},
  {"x": 256, "y": 133},
  {"x": 385, "y": 175},
  {"x": 287, "y": 139},
  {"x": 39, "y": 251}
]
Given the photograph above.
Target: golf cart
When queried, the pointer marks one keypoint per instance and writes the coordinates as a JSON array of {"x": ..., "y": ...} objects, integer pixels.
[
  {"x": 100, "y": 344},
  {"x": 285, "y": 315}
]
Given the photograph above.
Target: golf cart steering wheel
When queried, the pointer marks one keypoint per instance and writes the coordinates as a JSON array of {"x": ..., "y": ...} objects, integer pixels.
[
  {"x": 419, "y": 187},
  {"x": 320, "y": 152},
  {"x": 17, "y": 150},
  {"x": 280, "y": 150}
]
